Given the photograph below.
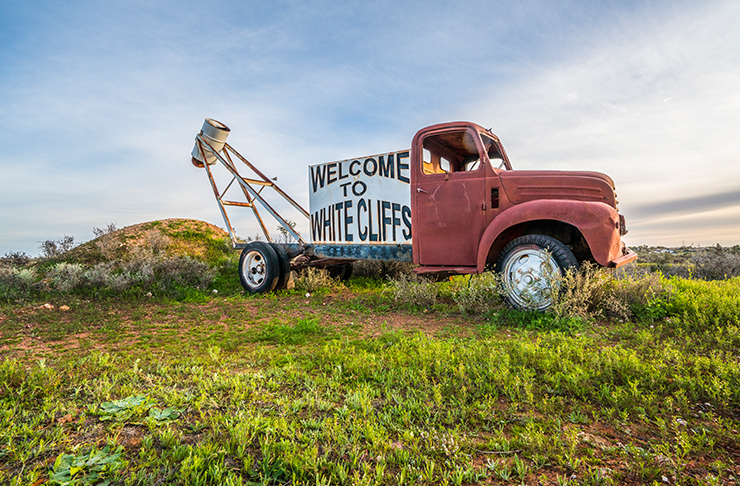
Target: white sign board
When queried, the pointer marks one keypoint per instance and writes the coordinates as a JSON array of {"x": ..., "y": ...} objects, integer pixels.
[{"x": 361, "y": 201}]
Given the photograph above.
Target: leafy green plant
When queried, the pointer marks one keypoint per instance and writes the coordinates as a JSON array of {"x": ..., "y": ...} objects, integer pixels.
[
  {"x": 91, "y": 468},
  {"x": 122, "y": 410}
]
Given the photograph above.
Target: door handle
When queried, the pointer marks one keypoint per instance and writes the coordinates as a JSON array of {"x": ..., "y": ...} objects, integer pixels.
[{"x": 419, "y": 189}]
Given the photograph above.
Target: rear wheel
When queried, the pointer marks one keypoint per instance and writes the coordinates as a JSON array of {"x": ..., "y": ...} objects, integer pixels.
[
  {"x": 531, "y": 267},
  {"x": 284, "y": 261},
  {"x": 259, "y": 267},
  {"x": 342, "y": 272}
]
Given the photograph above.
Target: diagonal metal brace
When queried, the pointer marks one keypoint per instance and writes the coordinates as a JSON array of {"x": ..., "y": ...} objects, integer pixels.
[{"x": 204, "y": 146}]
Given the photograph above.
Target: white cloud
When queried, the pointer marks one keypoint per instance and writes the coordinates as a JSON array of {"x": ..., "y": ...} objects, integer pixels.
[{"x": 653, "y": 102}]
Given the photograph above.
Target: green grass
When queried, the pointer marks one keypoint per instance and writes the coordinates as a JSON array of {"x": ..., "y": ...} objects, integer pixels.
[{"x": 357, "y": 387}]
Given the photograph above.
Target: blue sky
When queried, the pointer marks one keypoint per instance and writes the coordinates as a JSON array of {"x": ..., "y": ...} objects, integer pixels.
[{"x": 100, "y": 101}]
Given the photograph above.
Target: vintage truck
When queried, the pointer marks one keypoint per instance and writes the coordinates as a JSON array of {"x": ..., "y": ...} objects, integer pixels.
[{"x": 452, "y": 204}]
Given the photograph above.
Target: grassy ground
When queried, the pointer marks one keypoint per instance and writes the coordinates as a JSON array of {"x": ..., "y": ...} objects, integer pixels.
[{"x": 353, "y": 386}]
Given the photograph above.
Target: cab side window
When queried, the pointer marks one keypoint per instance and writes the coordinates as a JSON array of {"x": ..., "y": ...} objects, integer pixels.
[{"x": 450, "y": 152}]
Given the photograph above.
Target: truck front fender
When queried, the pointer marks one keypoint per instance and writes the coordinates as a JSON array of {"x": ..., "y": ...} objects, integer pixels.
[{"x": 598, "y": 223}]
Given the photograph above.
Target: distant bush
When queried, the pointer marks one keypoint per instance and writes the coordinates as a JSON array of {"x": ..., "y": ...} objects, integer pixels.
[
  {"x": 54, "y": 248},
  {"x": 717, "y": 263},
  {"x": 110, "y": 228},
  {"x": 711, "y": 263},
  {"x": 15, "y": 259},
  {"x": 17, "y": 283}
]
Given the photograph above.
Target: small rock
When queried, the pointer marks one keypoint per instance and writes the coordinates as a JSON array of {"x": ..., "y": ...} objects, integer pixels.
[
  {"x": 64, "y": 308},
  {"x": 662, "y": 459},
  {"x": 681, "y": 421}
]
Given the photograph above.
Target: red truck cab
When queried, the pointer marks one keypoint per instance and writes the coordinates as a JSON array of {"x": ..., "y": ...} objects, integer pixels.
[{"x": 471, "y": 210}]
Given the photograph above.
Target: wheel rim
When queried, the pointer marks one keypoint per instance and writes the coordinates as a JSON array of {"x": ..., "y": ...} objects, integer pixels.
[
  {"x": 531, "y": 277},
  {"x": 254, "y": 268}
]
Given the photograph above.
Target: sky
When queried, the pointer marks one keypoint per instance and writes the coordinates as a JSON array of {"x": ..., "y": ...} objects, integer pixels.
[{"x": 100, "y": 101}]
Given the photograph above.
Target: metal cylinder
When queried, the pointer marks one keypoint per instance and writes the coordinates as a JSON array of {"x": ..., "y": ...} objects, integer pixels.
[{"x": 215, "y": 133}]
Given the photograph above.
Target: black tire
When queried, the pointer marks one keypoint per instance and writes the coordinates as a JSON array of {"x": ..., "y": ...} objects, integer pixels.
[
  {"x": 342, "y": 272},
  {"x": 259, "y": 268},
  {"x": 348, "y": 268},
  {"x": 284, "y": 261},
  {"x": 530, "y": 267}
]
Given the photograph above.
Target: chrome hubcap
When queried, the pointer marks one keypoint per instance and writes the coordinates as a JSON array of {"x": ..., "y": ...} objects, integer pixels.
[
  {"x": 254, "y": 268},
  {"x": 531, "y": 277}
]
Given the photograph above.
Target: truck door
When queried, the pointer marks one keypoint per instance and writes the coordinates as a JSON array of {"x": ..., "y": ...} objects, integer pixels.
[{"x": 449, "y": 198}]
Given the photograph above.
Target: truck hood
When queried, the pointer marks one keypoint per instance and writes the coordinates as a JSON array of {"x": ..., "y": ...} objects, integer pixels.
[{"x": 529, "y": 185}]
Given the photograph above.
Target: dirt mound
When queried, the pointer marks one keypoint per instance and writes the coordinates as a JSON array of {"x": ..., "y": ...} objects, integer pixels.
[{"x": 169, "y": 237}]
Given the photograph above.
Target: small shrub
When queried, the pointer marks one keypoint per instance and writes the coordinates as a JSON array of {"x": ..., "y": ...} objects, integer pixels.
[
  {"x": 15, "y": 259},
  {"x": 414, "y": 291},
  {"x": 631, "y": 295},
  {"x": 16, "y": 283},
  {"x": 66, "y": 277},
  {"x": 111, "y": 228},
  {"x": 582, "y": 292},
  {"x": 312, "y": 279},
  {"x": 54, "y": 248},
  {"x": 183, "y": 272},
  {"x": 593, "y": 292},
  {"x": 479, "y": 294}
]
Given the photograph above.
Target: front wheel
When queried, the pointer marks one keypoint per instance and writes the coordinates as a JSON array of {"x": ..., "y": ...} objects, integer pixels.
[
  {"x": 259, "y": 268},
  {"x": 531, "y": 267}
]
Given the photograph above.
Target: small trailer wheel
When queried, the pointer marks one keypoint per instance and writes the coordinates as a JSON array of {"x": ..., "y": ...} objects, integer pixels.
[
  {"x": 284, "y": 260},
  {"x": 259, "y": 268},
  {"x": 531, "y": 267}
]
